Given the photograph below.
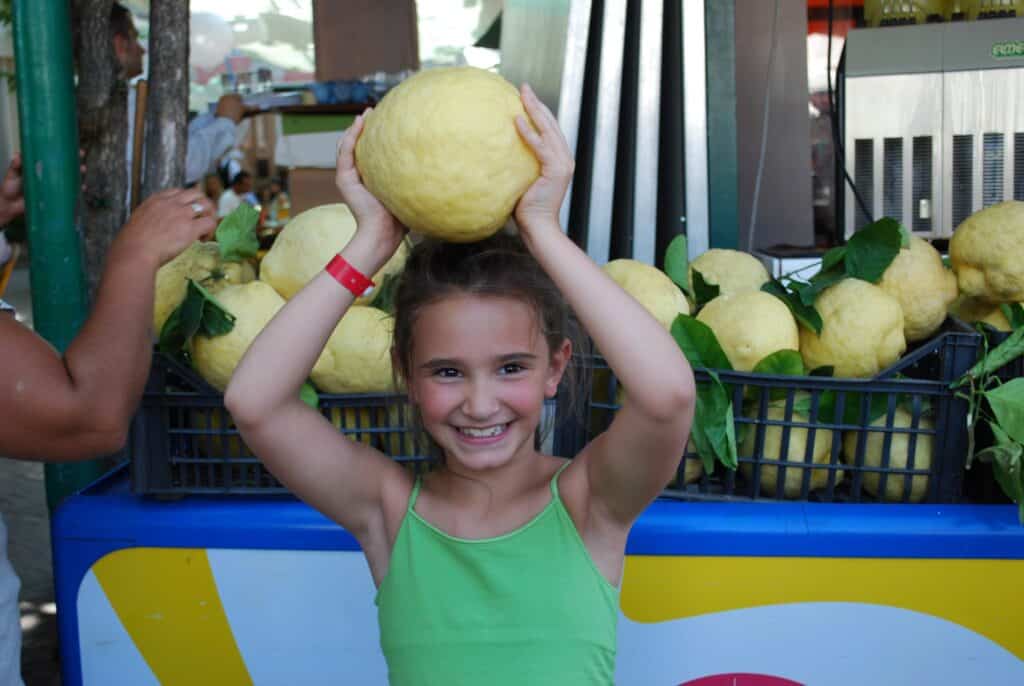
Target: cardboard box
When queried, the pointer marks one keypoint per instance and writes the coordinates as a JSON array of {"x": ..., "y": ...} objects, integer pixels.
[
  {"x": 354, "y": 38},
  {"x": 310, "y": 187}
]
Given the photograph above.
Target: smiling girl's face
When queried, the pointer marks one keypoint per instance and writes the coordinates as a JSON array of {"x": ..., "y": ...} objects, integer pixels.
[{"x": 480, "y": 372}]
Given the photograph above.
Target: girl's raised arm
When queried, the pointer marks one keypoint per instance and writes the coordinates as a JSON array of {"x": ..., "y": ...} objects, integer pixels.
[
  {"x": 341, "y": 478},
  {"x": 628, "y": 465}
]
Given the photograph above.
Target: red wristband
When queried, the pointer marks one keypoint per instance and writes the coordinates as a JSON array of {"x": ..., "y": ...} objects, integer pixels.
[{"x": 349, "y": 277}]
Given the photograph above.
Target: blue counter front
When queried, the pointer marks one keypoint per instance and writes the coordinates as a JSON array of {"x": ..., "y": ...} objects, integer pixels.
[{"x": 265, "y": 591}]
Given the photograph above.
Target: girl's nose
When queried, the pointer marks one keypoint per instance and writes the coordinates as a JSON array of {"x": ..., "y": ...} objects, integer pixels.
[{"x": 480, "y": 401}]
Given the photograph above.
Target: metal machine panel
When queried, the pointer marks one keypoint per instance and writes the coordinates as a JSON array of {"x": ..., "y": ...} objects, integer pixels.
[
  {"x": 903, "y": 108},
  {"x": 988, "y": 107}
]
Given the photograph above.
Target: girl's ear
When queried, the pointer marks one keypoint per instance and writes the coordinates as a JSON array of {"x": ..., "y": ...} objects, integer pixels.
[{"x": 559, "y": 361}]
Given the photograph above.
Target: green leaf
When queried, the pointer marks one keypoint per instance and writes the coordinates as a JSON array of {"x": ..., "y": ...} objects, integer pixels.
[
  {"x": 832, "y": 258},
  {"x": 871, "y": 250},
  {"x": 824, "y": 370},
  {"x": 946, "y": 262},
  {"x": 703, "y": 292},
  {"x": 236, "y": 234},
  {"x": 308, "y": 395},
  {"x": 821, "y": 281},
  {"x": 384, "y": 296},
  {"x": 905, "y": 236},
  {"x": 677, "y": 262},
  {"x": 216, "y": 320},
  {"x": 805, "y": 315},
  {"x": 1007, "y": 458},
  {"x": 996, "y": 358},
  {"x": 199, "y": 312},
  {"x": 183, "y": 322},
  {"x": 781, "y": 362},
  {"x": 1014, "y": 313},
  {"x": 1007, "y": 403},
  {"x": 698, "y": 343},
  {"x": 714, "y": 430}
]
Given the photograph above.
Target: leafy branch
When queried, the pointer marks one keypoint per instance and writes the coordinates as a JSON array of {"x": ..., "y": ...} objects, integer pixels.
[{"x": 1001, "y": 406}]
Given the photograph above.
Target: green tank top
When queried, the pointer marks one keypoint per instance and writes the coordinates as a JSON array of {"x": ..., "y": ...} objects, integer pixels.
[{"x": 527, "y": 607}]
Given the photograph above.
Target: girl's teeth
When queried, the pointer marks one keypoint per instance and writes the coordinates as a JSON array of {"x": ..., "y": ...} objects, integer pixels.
[{"x": 483, "y": 433}]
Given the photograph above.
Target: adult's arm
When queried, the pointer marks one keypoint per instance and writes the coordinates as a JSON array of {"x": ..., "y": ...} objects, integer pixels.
[{"x": 78, "y": 405}]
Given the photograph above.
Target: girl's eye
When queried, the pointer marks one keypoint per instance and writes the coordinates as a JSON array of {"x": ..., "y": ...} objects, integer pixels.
[
  {"x": 512, "y": 368},
  {"x": 446, "y": 373}
]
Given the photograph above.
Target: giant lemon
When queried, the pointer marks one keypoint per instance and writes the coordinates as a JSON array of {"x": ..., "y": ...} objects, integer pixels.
[
  {"x": 924, "y": 287},
  {"x": 442, "y": 152},
  {"x": 307, "y": 244},
  {"x": 253, "y": 305},
  {"x": 987, "y": 253},
  {"x": 357, "y": 357},
  {"x": 862, "y": 330},
  {"x": 732, "y": 271},
  {"x": 899, "y": 455},
  {"x": 650, "y": 287},
  {"x": 796, "y": 451},
  {"x": 750, "y": 326}
]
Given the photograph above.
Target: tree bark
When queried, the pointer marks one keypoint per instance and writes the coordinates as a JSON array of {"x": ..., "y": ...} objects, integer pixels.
[
  {"x": 167, "y": 106},
  {"x": 103, "y": 120}
]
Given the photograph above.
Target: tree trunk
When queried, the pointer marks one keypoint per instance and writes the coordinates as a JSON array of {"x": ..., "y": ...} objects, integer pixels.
[
  {"x": 167, "y": 105},
  {"x": 103, "y": 120}
]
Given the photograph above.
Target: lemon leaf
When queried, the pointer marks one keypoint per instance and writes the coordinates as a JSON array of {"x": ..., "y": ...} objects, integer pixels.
[
  {"x": 714, "y": 430},
  {"x": 236, "y": 235},
  {"x": 677, "y": 263},
  {"x": 1014, "y": 313},
  {"x": 781, "y": 363},
  {"x": 703, "y": 291},
  {"x": 699, "y": 343},
  {"x": 183, "y": 322},
  {"x": 804, "y": 314},
  {"x": 996, "y": 358},
  {"x": 309, "y": 395},
  {"x": 1007, "y": 403},
  {"x": 871, "y": 250}
]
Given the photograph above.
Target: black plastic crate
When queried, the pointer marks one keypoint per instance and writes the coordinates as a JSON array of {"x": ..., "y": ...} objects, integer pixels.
[
  {"x": 183, "y": 442},
  {"x": 828, "y": 460}
]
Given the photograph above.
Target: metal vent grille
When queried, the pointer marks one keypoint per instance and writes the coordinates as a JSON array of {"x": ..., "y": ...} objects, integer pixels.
[
  {"x": 921, "y": 184},
  {"x": 864, "y": 176},
  {"x": 1018, "y": 166},
  {"x": 963, "y": 177},
  {"x": 991, "y": 169},
  {"x": 892, "y": 178}
]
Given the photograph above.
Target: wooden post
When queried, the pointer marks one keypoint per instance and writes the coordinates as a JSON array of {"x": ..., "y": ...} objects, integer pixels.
[
  {"x": 103, "y": 120},
  {"x": 167, "y": 104},
  {"x": 138, "y": 136}
]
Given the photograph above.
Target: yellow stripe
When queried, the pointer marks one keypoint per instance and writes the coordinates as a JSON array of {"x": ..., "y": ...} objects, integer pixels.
[
  {"x": 168, "y": 602},
  {"x": 985, "y": 596}
]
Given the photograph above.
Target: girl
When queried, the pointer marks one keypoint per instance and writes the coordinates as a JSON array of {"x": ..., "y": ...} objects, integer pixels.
[{"x": 503, "y": 565}]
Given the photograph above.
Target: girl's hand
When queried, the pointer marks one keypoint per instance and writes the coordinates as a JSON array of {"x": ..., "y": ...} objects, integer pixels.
[
  {"x": 543, "y": 200},
  {"x": 371, "y": 215},
  {"x": 12, "y": 199}
]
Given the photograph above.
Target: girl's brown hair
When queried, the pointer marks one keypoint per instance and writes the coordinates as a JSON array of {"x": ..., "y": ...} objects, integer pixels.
[{"x": 498, "y": 266}]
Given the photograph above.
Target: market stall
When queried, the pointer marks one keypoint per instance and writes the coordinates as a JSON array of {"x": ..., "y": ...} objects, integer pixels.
[{"x": 819, "y": 530}]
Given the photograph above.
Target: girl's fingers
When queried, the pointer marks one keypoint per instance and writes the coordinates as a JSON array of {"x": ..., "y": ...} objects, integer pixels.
[
  {"x": 346, "y": 150},
  {"x": 532, "y": 138}
]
